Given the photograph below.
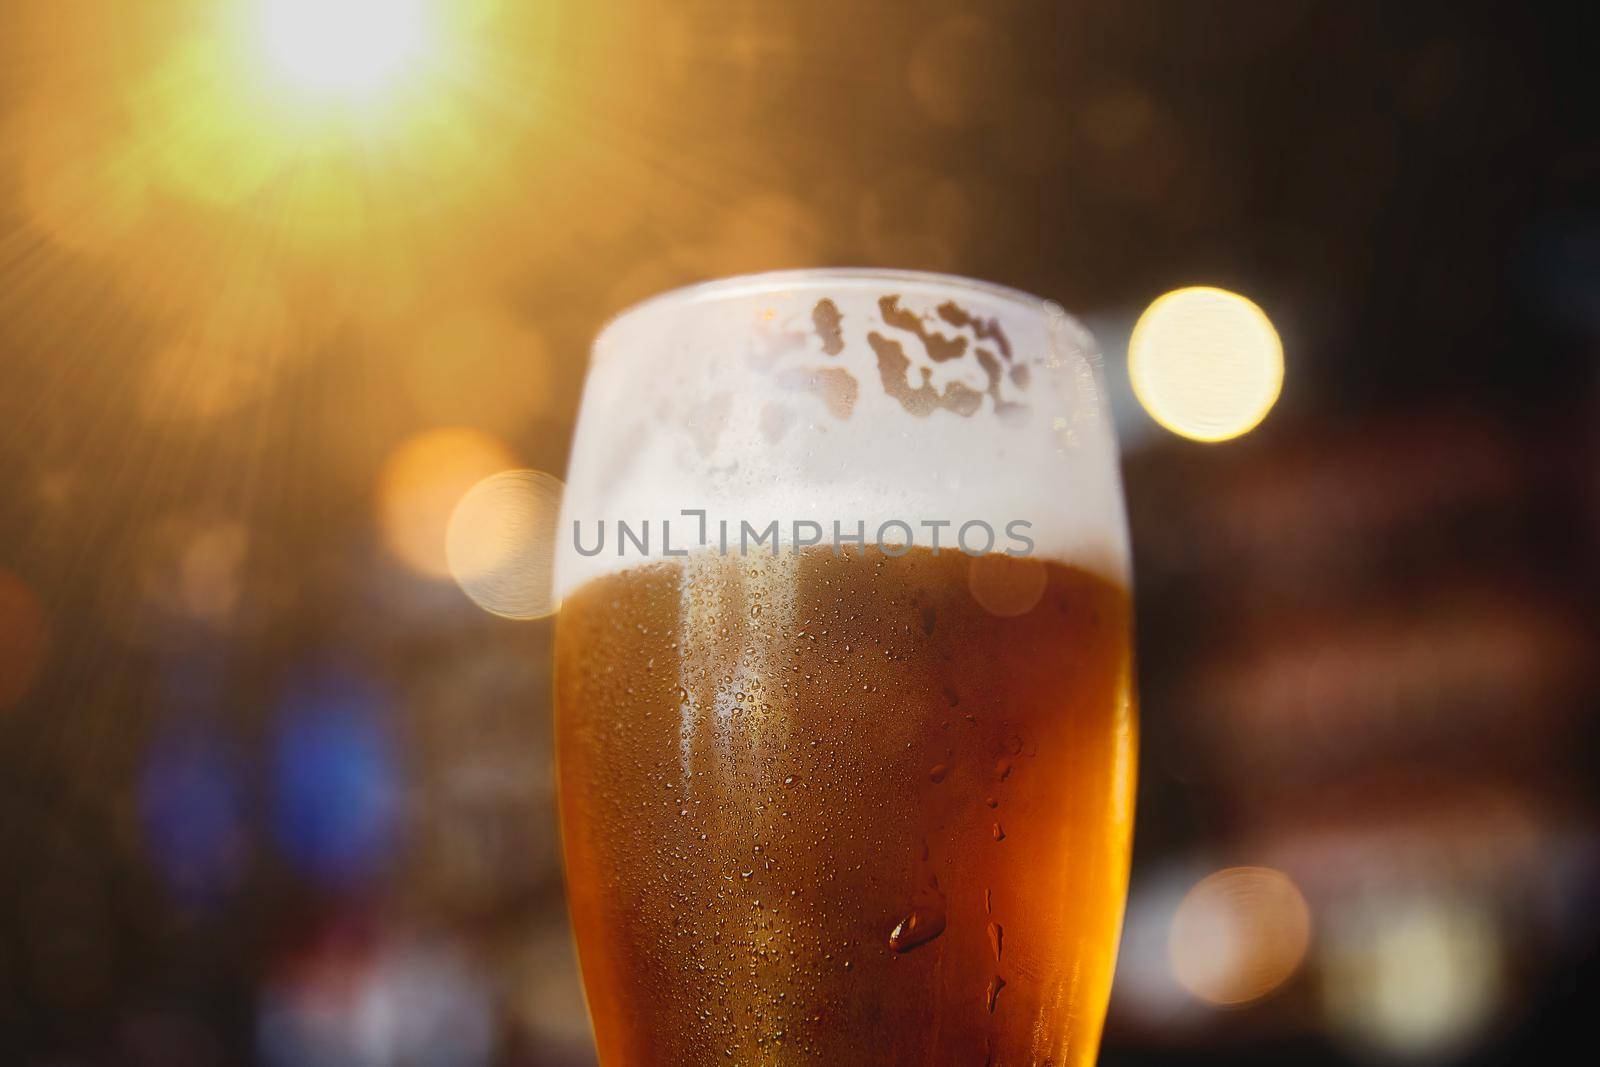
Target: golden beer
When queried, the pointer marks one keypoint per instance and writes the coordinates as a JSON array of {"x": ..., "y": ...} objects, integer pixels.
[
  {"x": 845, "y": 725},
  {"x": 832, "y": 809}
]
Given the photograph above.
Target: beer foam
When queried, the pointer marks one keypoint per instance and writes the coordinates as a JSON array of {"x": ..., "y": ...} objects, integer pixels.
[{"x": 859, "y": 397}]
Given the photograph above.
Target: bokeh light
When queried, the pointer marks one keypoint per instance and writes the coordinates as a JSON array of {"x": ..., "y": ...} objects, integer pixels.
[
  {"x": 501, "y": 543},
  {"x": 23, "y": 638},
  {"x": 1239, "y": 934},
  {"x": 337, "y": 783},
  {"x": 181, "y": 569},
  {"x": 1413, "y": 978},
  {"x": 406, "y": 1000},
  {"x": 1205, "y": 363},
  {"x": 421, "y": 483},
  {"x": 1006, "y": 586},
  {"x": 342, "y": 46},
  {"x": 192, "y": 811}
]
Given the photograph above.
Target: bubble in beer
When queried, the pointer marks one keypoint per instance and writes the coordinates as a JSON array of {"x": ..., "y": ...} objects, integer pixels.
[
  {"x": 501, "y": 543},
  {"x": 1238, "y": 935},
  {"x": 1006, "y": 586},
  {"x": 1206, "y": 363}
]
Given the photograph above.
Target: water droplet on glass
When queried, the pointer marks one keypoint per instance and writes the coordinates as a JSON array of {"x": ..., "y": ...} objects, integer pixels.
[
  {"x": 993, "y": 993},
  {"x": 1002, "y": 769},
  {"x": 996, "y": 935},
  {"x": 937, "y": 772},
  {"x": 992, "y": 802},
  {"x": 999, "y": 832},
  {"x": 918, "y": 928},
  {"x": 924, "y": 922},
  {"x": 755, "y": 610},
  {"x": 988, "y": 901}
]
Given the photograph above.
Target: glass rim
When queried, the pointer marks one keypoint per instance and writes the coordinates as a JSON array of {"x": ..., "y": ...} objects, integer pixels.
[{"x": 743, "y": 285}]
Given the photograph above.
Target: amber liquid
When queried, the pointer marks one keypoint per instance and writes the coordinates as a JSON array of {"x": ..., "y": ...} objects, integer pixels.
[{"x": 832, "y": 809}]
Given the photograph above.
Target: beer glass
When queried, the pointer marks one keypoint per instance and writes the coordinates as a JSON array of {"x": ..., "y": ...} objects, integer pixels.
[{"x": 845, "y": 713}]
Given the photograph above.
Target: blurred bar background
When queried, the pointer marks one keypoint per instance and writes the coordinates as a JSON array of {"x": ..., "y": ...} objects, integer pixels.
[{"x": 279, "y": 283}]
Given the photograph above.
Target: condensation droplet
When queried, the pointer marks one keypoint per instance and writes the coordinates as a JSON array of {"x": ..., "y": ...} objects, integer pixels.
[
  {"x": 992, "y": 802},
  {"x": 996, "y": 935},
  {"x": 925, "y": 923},
  {"x": 1002, "y": 769},
  {"x": 937, "y": 772},
  {"x": 999, "y": 832},
  {"x": 992, "y": 995}
]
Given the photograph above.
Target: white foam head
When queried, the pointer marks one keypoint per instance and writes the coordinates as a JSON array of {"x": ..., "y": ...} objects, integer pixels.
[{"x": 853, "y": 396}]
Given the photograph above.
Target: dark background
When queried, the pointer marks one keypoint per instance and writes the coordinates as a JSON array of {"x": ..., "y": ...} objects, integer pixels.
[{"x": 272, "y": 790}]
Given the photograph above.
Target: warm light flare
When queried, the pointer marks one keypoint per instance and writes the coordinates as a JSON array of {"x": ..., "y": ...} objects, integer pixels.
[
  {"x": 501, "y": 543},
  {"x": 1238, "y": 935},
  {"x": 423, "y": 480},
  {"x": 1206, "y": 363},
  {"x": 342, "y": 47}
]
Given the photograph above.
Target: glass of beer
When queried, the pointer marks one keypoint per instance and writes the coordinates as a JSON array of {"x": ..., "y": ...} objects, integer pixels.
[{"x": 845, "y": 711}]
